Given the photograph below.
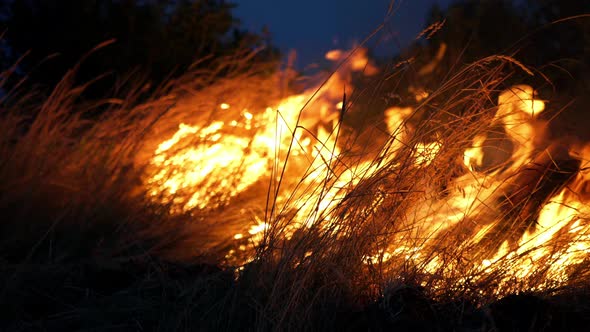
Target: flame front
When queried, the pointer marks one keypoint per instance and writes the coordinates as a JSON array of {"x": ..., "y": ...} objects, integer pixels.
[{"x": 521, "y": 232}]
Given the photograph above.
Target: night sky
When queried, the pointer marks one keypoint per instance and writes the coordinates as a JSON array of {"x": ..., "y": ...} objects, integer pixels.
[{"x": 312, "y": 27}]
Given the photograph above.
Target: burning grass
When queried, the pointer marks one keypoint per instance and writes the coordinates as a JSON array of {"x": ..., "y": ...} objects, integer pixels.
[{"x": 460, "y": 199}]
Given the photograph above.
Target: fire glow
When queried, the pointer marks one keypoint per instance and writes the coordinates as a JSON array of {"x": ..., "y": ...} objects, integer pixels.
[{"x": 206, "y": 166}]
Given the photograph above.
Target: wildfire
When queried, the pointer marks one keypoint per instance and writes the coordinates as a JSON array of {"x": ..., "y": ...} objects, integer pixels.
[{"x": 205, "y": 166}]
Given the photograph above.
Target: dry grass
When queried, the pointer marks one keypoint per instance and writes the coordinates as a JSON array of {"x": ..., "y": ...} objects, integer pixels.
[
  {"x": 393, "y": 207},
  {"x": 76, "y": 218},
  {"x": 75, "y": 168}
]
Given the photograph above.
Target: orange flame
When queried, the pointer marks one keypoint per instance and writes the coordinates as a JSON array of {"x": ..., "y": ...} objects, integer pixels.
[{"x": 205, "y": 166}]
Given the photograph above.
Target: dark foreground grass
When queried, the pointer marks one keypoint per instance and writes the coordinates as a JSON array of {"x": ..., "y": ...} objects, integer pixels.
[
  {"x": 84, "y": 247},
  {"x": 159, "y": 296}
]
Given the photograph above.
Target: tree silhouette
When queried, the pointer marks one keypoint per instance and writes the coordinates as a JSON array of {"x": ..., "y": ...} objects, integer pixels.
[
  {"x": 160, "y": 38},
  {"x": 562, "y": 41},
  {"x": 549, "y": 35}
]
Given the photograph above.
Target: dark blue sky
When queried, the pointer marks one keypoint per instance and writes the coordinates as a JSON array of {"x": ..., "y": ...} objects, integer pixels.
[{"x": 312, "y": 27}]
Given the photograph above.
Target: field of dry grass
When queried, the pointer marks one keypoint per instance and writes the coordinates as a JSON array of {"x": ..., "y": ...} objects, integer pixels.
[{"x": 374, "y": 242}]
